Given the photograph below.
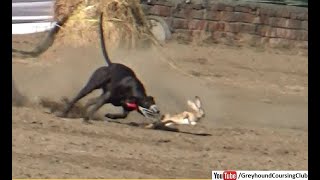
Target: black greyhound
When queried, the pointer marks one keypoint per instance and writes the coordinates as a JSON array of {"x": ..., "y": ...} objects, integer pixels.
[{"x": 120, "y": 87}]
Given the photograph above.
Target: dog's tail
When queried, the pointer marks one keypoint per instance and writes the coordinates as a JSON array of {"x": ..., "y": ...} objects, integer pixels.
[{"x": 102, "y": 43}]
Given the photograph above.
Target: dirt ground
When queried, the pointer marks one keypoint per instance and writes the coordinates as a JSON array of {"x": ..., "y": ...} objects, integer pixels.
[{"x": 255, "y": 103}]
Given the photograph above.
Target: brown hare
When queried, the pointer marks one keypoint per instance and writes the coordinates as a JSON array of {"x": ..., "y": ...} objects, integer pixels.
[{"x": 190, "y": 117}]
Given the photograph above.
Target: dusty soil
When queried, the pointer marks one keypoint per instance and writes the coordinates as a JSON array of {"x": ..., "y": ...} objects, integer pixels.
[{"x": 255, "y": 103}]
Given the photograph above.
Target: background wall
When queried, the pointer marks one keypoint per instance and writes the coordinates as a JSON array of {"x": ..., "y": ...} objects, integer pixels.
[{"x": 233, "y": 22}]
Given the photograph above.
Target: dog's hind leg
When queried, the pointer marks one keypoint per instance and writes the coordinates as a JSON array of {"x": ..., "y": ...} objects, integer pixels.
[
  {"x": 85, "y": 91},
  {"x": 122, "y": 115},
  {"x": 103, "y": 99},
  {"x": 97, "y": 79},
  {"x": 91, "y": 102}
]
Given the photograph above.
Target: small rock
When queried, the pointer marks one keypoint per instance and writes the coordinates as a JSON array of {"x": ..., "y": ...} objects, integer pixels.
[{"x": 164, "y": 140}]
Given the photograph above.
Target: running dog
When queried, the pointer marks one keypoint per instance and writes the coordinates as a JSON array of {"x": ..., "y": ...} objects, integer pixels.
[{"x": 120, "y": 87}]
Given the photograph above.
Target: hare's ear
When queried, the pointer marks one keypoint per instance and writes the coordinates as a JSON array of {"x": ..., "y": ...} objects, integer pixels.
[
  {"x": 193, "y": 106},
  {"x": 198, "y": 102}
]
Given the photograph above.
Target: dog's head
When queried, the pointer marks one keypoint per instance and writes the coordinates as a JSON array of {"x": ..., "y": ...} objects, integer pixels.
[{"x": 147, "y": 107}]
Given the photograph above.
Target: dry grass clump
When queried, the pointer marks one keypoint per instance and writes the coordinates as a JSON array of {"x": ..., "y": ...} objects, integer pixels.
[
  {"x": 80, "y": 28},
  {"x": 124, "y": 23},
  {"x": 63, "y": 8}
]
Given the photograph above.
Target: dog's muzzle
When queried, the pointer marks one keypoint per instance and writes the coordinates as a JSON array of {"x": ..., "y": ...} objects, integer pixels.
[{"x": 153, "y": 112}]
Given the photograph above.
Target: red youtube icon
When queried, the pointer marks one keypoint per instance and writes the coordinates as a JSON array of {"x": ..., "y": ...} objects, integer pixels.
[{"x": 229, "y": 175}]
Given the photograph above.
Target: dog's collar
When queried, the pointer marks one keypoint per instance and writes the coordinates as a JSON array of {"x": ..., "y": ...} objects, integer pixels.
[{"x": 132, "y": 106}]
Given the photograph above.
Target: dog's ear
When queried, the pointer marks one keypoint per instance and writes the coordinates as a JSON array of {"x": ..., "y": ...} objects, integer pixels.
[
  {"x": 150, "y": 98},
  {"x": 148, "y": 101}
]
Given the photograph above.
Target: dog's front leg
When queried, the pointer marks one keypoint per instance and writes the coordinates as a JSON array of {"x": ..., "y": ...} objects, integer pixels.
[
  {"x": 103, "y": 99},
  {"x": 91, "y": 102},
  {"x": 122, "y": 115}
]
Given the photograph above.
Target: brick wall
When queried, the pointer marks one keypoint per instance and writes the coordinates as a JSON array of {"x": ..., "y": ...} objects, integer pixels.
[{"x": 234, "y": 22}]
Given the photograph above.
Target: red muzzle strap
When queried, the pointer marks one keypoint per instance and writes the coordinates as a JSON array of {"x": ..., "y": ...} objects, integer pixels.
[{"x": 132, "y": 106}]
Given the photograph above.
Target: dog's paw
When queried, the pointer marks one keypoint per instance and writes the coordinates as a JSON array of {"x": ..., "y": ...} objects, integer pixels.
[{"x": 110, "y": 116}]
